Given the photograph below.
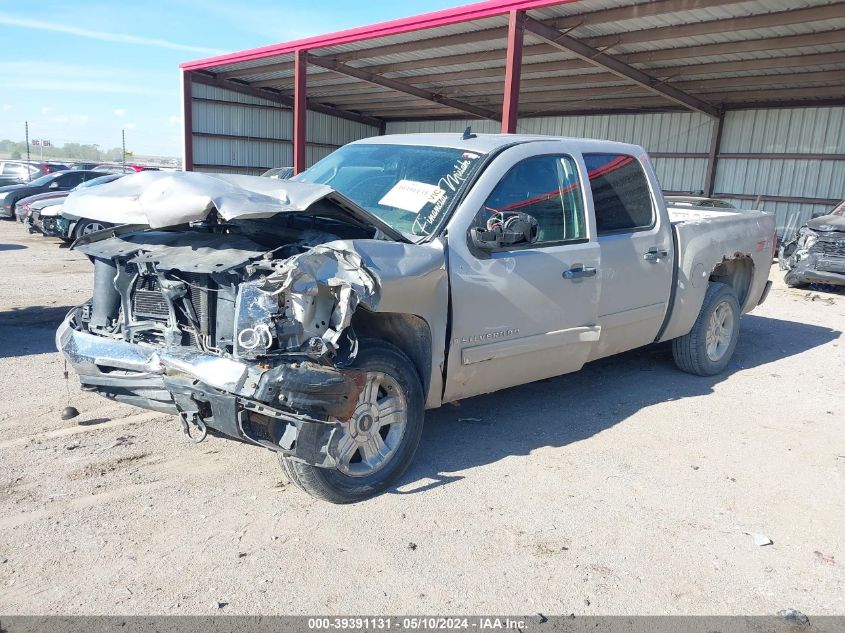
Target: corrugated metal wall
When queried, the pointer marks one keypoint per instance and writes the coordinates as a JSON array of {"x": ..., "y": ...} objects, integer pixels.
[
  {"x": 671, "y": 132},
  {"x": 783, "y": 131},
  {"x": 238, "y": 133},
  {"x": 241, "y": 134},
  {"x": 762, "y": 132}
]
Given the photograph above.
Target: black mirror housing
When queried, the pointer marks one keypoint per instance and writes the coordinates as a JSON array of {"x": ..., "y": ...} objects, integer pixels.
[{"x": 505, "y": 228}]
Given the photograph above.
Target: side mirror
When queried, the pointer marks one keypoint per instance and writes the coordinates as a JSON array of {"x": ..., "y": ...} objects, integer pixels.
[{"x": 506, "y": 228}]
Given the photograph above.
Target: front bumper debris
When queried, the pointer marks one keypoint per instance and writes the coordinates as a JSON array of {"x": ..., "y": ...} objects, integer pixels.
[
  {"x": 812, "y": 268},
  {"x": 814, "y": 257},
  {"x": 294, "y": 408},
  {"x": 807, "y": 275}
]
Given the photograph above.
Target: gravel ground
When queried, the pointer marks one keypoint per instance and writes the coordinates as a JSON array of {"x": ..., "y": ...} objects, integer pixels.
[{"x": 627, "y": 488}]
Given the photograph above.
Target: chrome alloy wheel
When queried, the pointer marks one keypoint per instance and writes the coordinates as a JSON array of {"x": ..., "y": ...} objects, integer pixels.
[
  {"x": 92, "y": 227},
  {"x": 373, "y": 434},
  {"x": 720, "y": 331}
]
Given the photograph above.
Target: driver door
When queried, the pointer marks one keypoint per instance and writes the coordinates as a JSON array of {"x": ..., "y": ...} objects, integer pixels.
[{"x": 527, "y": 311}]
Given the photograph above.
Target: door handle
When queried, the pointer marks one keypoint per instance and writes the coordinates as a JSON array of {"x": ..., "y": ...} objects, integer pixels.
[
  {"x": 655, "y": 254},
  {"x": 576, "y": 272}
]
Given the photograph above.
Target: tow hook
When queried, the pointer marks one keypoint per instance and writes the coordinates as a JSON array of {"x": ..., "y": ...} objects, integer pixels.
[{"x": 191, "y": 419}]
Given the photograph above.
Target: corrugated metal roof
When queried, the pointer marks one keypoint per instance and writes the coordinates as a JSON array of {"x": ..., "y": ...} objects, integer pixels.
[
  {"x": 416, "y": 36},
  {"x": 452, "y": 57}
]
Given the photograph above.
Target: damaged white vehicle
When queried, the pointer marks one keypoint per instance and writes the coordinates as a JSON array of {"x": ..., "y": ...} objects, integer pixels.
[
  {"x": 320, "y": 317},
  {"x": 817, "y": 253}
]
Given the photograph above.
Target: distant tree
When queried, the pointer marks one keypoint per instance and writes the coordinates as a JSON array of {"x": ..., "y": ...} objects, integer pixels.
[{"x": 68, "y": 151}]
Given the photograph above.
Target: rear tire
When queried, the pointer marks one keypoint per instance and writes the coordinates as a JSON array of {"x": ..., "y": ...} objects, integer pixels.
[
  {"x": 707, "y": 349},
  {"x": 396, "y": 386}
]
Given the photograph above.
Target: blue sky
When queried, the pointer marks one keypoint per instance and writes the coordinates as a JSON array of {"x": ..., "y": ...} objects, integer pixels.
[{"x": 82, "y": 71}]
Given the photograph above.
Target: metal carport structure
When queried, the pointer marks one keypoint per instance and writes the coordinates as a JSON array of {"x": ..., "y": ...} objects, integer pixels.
[{"x": 744, "y": 100}]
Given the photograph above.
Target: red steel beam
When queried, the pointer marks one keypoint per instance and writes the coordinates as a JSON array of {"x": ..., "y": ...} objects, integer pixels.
[
  {"x": 445, "y": 17},
  {"x": 300, "y": 69},
  {"x": 187, "y": 123},
  {"x": 513, "y": 71}
]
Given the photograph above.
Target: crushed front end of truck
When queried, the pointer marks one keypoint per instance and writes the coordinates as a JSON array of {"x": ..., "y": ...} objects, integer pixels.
[{"x": 239, "y": 325}]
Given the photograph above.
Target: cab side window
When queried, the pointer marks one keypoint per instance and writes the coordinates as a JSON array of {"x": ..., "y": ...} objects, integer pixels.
[
  {"x": 621, "y": 195},
  {"x": 547, "y": 188}
]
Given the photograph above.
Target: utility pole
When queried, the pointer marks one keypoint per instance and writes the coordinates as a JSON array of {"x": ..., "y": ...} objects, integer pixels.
[
  {"x": 28, "y": 170},
  {"x": 123, "y": 135}
]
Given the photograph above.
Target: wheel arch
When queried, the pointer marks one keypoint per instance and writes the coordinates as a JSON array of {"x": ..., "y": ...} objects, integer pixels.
[
  {"x": 736, "y": 272},
  {"x": 410, "y": 333}
]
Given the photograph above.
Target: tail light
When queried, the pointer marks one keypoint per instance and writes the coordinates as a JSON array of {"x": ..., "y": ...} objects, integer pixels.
[{"x": 47, "y": 169}]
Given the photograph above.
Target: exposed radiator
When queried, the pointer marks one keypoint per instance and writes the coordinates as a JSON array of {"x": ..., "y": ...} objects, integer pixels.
[
  {"x": 147, "y": 300},
  {"x": 149, "y": 303}
]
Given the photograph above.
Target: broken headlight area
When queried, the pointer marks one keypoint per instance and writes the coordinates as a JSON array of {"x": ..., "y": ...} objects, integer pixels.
[
  {"x": 250, "y": 343},
  {"x": 239, "y": 301},
  {"x": 303, "y": 306}
]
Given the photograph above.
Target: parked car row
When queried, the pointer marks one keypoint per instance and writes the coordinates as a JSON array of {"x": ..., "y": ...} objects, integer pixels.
[
  {"x": 19, "y": 171},
  {"x": 39, "y": 204},
  {"x": 14, "y": 172}
]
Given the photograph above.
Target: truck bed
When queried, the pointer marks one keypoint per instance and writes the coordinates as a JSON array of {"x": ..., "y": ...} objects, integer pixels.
[{"x": 703, "y": 239}]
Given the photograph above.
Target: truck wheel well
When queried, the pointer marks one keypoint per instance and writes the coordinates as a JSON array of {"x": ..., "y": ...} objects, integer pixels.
[
  {"x": 737, "y": 273},
  {"x": 408, "y": 332}
]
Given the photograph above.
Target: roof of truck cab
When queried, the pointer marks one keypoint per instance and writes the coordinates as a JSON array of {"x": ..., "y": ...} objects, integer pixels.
[{"x": 486, "y": 143}]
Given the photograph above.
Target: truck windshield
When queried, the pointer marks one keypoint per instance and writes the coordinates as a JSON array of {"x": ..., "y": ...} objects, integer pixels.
[{"x": 410, "y": 187}]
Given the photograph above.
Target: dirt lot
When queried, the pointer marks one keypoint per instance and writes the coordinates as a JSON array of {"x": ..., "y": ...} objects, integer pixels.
[{"x": 626, "y": 488}]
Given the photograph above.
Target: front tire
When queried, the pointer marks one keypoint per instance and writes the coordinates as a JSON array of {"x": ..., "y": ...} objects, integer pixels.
[
  {"x": 379, "y": 441},
  {"x": 86, "y": 227},
  {"x": 707, "y": 349}
]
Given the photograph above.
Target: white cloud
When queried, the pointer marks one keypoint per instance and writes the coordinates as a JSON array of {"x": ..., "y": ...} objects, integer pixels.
[
  {"x": 119, "y": 112},
  {"x": 129, "y": 126},
  {"x": 122, "y": 38},
  {"x": 174, "y": 120},
  {"x": 62, "y": 77},
  {"x": 6, "y": 107},
  {"x": 45, "y": 110}
]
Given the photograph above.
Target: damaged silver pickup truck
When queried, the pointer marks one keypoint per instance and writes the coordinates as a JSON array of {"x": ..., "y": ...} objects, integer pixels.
[{"x": 320, "y": 317}]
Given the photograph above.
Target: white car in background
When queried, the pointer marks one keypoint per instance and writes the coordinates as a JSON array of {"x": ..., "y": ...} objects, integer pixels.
[{"x": 47, "y": 216}]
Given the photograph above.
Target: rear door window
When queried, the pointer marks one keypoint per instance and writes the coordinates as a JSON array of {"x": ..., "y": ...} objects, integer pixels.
[{"x": 621, "y": 195}]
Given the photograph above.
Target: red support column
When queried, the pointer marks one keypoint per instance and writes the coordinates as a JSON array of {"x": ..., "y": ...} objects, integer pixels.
[
  {"x": 300, "y": 69},
  {"x": 187, "y": 123},
  {"x": 513, "y": 71}
]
